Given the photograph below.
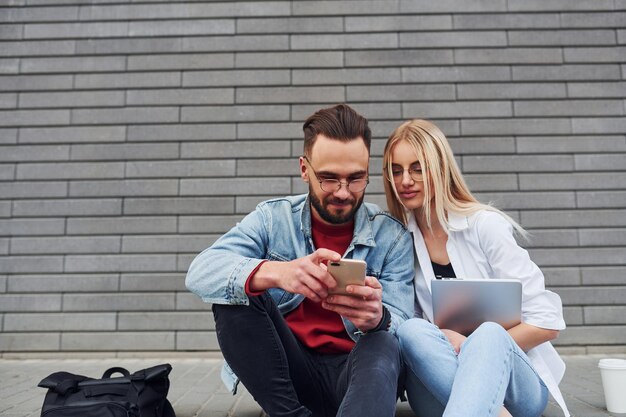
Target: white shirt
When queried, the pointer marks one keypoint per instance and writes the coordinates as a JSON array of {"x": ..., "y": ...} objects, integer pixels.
[{"x": 482, "y": 246}]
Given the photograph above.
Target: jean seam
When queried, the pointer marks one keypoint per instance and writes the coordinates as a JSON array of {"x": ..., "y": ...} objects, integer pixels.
[
  {"x": 450, "y": 347},
  {"x": 276, "y": 349},
  {"x": 350, "y": 366},
  {"x": 284, "y": 369},
  {"x": 500, "y": 384},
  {"x": 409, "y": 364},
  {"x": 524, "y": 358}
]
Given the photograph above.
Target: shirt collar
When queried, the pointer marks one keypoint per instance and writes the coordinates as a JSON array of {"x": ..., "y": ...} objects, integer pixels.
[{"x": 457, "y": 222}]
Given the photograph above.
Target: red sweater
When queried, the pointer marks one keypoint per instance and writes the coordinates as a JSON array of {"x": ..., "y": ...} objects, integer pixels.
[{"x": 317, "y": 328}]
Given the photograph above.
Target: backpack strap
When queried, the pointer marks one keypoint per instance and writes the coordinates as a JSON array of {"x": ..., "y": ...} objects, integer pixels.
[{"x": 95, "y": 391}]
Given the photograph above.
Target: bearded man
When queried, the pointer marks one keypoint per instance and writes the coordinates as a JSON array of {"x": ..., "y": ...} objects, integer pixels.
[{"x": 299, "y": 348}]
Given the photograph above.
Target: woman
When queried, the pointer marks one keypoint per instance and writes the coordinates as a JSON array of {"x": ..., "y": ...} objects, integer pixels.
[{"x": 457, "y": 236}]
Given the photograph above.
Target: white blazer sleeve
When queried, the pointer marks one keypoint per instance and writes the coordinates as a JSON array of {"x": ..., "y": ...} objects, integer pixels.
[{"x": 540, "y": 307}]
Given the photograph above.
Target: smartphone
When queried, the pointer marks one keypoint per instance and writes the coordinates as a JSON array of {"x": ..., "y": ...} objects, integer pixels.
[{"x": 347, "y": 272}]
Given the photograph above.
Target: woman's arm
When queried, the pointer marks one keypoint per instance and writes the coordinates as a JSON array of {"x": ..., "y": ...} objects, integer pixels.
[
  {"x": 528, "y": 336},
  {"x": 542, "y": 316}
]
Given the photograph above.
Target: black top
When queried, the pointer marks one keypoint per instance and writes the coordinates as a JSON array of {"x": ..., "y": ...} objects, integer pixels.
[{"x": 443, "y": 271}]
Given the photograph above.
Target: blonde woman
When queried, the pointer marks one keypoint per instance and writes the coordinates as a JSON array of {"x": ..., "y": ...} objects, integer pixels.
[{"x": 456, "y": 236}]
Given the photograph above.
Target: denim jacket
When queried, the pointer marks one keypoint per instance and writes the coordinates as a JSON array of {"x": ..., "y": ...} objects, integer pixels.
[{"x": 280, "y": 230}]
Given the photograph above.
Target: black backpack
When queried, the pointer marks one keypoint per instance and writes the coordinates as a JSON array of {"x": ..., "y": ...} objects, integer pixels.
[{"x": 142, "y": 394}]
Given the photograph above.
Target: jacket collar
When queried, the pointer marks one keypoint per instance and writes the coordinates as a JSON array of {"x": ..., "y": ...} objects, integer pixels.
[{"x": 363, "y": 232}]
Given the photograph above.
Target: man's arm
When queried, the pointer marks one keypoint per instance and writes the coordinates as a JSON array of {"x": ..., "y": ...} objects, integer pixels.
[{"x": 218, "y": 274}]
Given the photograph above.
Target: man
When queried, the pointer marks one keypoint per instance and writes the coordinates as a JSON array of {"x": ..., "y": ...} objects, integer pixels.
[{"x": 298, "y": 350}]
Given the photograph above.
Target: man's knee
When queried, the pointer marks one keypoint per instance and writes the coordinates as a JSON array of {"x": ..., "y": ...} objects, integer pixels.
[
  {"x": 223, "y": 313},
  {"x": 381, "y": 340},
  {"x": 380, "y": 351},
  {"x": 261, "y": 303},
  {"x": 234, "y": 321}
]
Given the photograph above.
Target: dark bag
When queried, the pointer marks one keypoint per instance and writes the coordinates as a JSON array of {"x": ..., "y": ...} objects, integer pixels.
[{"x": 142, "y": 394}]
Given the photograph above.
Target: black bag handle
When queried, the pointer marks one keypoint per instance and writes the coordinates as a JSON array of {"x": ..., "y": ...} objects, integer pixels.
[{"x": 111, "y": 371}]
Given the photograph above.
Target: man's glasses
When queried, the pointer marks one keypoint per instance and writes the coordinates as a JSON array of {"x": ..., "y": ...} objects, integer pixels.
[
  {"x": 397, "y": 174},
  {"x": 332, "y": 185}
]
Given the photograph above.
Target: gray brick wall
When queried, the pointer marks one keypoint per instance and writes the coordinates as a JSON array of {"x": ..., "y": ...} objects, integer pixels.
[{"x": 134, "y": 133}]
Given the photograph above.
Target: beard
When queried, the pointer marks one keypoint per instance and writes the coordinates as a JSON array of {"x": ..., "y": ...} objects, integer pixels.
[{"x": 330, "y": 217}]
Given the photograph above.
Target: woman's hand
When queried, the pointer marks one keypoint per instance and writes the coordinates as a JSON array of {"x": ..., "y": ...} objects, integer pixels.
[
  {"x": 504, "y": 413},
  {"x": 455, "y": 339}
]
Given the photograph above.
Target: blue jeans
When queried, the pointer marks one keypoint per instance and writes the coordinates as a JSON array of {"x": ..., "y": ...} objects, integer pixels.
[
  {"x": 289, "y": 380},
  {"x": 490, "y": 370}
]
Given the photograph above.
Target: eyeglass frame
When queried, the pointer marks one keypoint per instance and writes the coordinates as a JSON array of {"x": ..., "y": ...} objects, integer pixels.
[
  {"x": 411, "y": 171},
  {"x": 338, "y": 183}
]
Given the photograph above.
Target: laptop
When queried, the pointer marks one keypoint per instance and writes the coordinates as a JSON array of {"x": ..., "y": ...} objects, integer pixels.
[{"x": 464, "y": 304}]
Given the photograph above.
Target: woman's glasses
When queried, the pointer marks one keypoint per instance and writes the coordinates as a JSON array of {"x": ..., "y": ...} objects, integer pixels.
[{"x": 397, "y": 173}]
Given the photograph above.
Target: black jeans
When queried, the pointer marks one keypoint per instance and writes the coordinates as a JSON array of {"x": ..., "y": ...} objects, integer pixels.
[{"x": 288, "y": 379}]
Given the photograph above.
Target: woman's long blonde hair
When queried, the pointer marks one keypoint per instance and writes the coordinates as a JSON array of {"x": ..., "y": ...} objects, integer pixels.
[{"x": 443, "y": 181}]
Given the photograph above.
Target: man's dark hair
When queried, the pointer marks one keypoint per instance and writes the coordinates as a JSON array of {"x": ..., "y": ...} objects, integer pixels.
[{"x": 340, "y": 122}]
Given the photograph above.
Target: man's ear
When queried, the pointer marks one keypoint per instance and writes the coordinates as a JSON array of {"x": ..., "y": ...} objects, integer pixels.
[{"x": 303, "y": 170}]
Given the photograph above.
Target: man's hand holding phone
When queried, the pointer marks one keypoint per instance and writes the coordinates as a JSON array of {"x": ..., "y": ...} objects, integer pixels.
[
  {"x": 361, "y": 304},
  {"x": 357, "y": 298}
]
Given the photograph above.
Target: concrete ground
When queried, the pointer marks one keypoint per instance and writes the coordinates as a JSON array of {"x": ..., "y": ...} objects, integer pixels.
[{"x": 196, "y": 389}]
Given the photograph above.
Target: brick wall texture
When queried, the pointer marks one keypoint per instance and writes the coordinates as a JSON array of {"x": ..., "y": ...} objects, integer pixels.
[{"x": 134, "y": 133}]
